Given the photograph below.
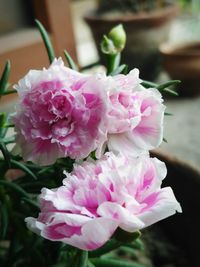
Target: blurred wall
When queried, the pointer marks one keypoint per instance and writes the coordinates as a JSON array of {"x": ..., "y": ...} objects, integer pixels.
[{"x": 15, "y": 14}]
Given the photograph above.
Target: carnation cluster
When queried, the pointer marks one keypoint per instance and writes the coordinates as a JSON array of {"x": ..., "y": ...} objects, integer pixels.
[{"x": 64, "y": 113}]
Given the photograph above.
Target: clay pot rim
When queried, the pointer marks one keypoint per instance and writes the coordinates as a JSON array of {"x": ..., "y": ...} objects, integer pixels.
[
  {"x": 178, "y": 50},
  {"x": 164, "y": 13},
  {"x": 174, "y": 160}
]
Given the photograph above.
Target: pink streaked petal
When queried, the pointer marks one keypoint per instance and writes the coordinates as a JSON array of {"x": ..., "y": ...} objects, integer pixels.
[
  {"x": 95, "y": 234},
  {"x": 116, "y": 212},
  {"x": 159, "y": 206}
]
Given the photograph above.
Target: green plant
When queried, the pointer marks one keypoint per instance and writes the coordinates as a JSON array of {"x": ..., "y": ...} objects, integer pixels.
[{"x": 18, "y": 195}]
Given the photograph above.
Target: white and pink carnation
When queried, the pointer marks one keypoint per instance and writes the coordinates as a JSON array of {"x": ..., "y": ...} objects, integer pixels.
[
  {"x": 135, "y": 123},
  {"x": 98, "y": 197},
  {"x": 61, "y": 114}
]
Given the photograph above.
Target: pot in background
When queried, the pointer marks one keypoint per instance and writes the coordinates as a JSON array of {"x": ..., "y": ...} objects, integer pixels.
[
  {"x": 145, "y": 32},
  {"x": 182, "y": 229},
  {"x": 183, "y": 62}
]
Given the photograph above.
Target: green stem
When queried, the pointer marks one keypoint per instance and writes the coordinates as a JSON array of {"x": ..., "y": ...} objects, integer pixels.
[
  {"x": 112, "y": 62},
  {"x": 109, "y": 246}
]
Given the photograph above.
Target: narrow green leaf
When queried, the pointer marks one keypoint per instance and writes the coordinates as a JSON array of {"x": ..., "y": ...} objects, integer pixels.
[
  {"x": 15, "y": 188},
  {"x": 130, "y": 251},
  {"x": 170, "y": 91},
  {"x": 10, "y": 91},
  {"x": 168, "y": 84},
  {"x": 9, "y": 140},
  {"x": 5, "y": 153},
  {"x": 165, "y": 140},
  {"x": 82, "y": 258},
  {"x": 125, "y": 71},
  {"x": 113, "y": 263},
  {"x": 21, "y": 166},
  {"x": 119, "y": 70},
  {"x": 148, "y": 84},
  {"x": 137, "y": 244},
  {"x": 71, "y": 63},
  {"x": 168, "y": 114},
  {"x": 89, "y": 264},
  {"x": 2, "y": 119},
  {"x": 109, "y": 246},
  {"x": 46, "y": 40},
  {"x": 3, "y": 221},
  {"x": 31, "y": 202},
  {"x": 4, "y": 78},
  {"x": 8, "y": 125}
]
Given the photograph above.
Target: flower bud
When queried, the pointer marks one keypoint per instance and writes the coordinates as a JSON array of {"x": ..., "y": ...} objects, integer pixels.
[
  {"x": 115, "y": 41},
  {"x": 118, "y": 36}
]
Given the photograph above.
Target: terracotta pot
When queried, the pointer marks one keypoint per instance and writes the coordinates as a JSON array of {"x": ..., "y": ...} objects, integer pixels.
[
  {"x": 183, "y": 62},
  {"x": 182, "y": 229},
  {"x": 145, "y": 32}
]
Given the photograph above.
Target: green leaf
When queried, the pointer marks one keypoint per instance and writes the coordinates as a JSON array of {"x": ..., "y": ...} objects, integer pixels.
[
  {"x": 9, "y": 140},
  {"x": 136, "y": 244},
  {"x": 82, "y": 257},
  {"x": 10, "y": 91},
  {"x": 89, "y": 264},
  {"x": 109, "y": 246},
  {"x": 71, "y": 63},
  {"x": 119, "y": 70},
  {"x": 21, "y": 166},
  {"x": 170, "y": 91},
  {"x": 15, "y": 188},
  {"x": 2, "y": 119},
  {"x": 113, "y": 263},
  {"x": 4, "y": 78},
  {"x": 148, "y": 84},
  {"x": 46, "y": 40},
  {"x": 31, "y": 202},
  {"x": 3, "y": 221},
  {"x": 165, "y": 140},
  {"x": 129, "y": 251},
  {"x": 168, "y": 114},
  {"x": 5, "y": 153},
  {"x": 168, "y": 84}
]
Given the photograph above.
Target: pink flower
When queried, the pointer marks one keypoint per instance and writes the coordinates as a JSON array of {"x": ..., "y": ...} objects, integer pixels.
[
  {"x": 98, "y": 197},
  {"x": 61, "y": 113},
  {"x": 135, "y": 123}
]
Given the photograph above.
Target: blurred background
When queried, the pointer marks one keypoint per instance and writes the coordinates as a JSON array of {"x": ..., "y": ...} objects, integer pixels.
[{"x": 163, "y": 41}]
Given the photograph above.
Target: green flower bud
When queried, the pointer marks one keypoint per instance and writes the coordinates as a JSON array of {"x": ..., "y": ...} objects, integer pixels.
[{"x": 118, "y": 37}]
